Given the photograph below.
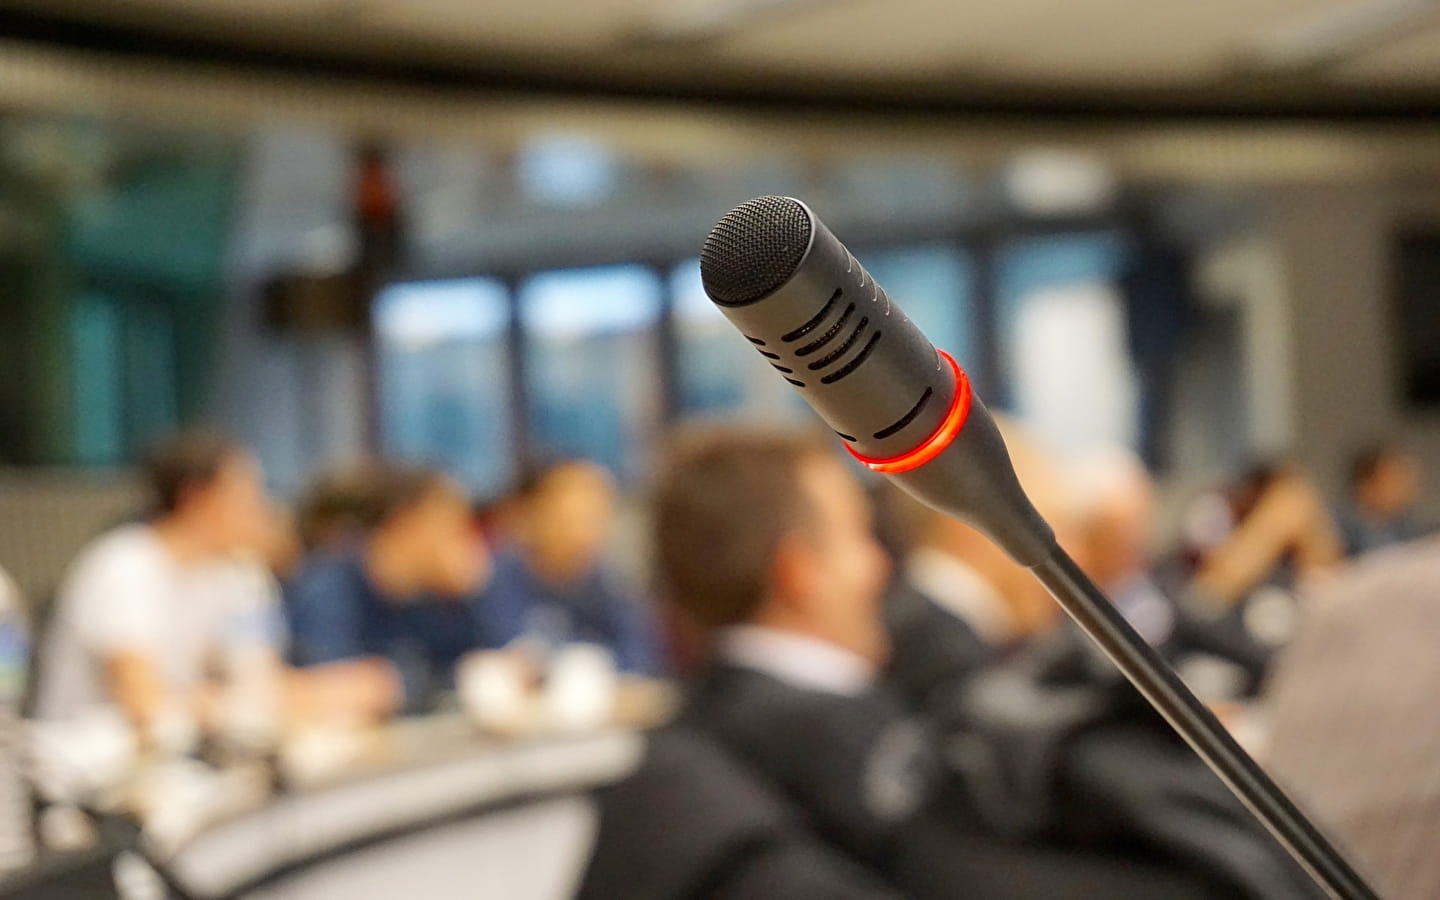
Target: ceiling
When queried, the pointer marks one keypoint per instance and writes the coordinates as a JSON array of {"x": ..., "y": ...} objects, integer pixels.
[{"x": 1279, "y": 57}]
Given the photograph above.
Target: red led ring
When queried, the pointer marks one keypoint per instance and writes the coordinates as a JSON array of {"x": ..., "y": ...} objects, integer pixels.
[{"x": 936, "y": 443}]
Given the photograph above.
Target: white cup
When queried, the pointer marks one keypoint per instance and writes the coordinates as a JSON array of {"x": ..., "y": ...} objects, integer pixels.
[{"x": 580, "y": 693}]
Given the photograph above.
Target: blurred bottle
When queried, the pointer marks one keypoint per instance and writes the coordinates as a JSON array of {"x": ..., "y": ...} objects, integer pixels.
[{"x": 17, "y": 839}]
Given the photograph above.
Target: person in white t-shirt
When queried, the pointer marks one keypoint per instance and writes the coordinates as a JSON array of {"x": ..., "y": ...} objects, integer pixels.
[{"x": 146, "y": 613}]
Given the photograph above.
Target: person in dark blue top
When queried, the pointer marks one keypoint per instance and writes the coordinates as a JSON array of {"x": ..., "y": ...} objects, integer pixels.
[
  {"x": 394, "y": 593},
  {"x": 550, "y": 589},
  {"x": 1384, "y": 485}
]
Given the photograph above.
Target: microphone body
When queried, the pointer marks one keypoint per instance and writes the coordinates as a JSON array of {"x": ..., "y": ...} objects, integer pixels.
[{"x": 902, "y": 407}]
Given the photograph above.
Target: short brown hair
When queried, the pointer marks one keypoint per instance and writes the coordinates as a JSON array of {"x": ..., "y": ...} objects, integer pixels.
[
  {"x": 725, "y": 500},
  {"x": 354, "y": 499},
  {"x": 189, "y": 460}
]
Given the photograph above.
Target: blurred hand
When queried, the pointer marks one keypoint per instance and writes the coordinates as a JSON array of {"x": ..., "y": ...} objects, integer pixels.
[{"x": 1289, "y": 517}]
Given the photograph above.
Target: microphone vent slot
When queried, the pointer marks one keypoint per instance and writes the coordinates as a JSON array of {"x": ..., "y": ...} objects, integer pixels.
[
  {"x": 768, "y": 355},
  {"x": 815, "y": 320},
  {"x": 754, "y": 340},
  {"x": 853, "y": 364},
  {"x": 906, "y": 419},
  {"x": 780, "y": 368},
  {"x": 840, "y": 351},
  {"x": 796, "y": 383},
  {"x": 833, "y": 330},
  {"x": 848, "y": 437}
]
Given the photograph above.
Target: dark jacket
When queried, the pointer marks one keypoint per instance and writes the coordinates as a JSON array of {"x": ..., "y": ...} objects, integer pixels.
[
  {"x": 693, "y": 823},
  {"x": 869, "y": 779}
]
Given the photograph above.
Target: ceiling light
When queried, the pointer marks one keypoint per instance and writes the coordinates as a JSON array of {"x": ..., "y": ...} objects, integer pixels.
[
  {"x": 688, "y": 21},
  {"x": 1338, "y": 33}
]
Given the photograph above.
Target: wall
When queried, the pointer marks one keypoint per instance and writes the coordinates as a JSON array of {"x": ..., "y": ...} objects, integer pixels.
[{"x": 1333, "y": 246}]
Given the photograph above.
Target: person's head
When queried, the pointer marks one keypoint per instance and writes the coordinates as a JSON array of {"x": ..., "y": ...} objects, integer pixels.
[
  {"x": 1384, "y": 481},
  {"x": 209, "y": 489},
  {"x": 769, "y": 528},
  {"x": 333, "y": 512},
  {"x": 418, "y": 530},
  {"x": 1112, "y": 500},
  {"x": 566, "y": 515}
]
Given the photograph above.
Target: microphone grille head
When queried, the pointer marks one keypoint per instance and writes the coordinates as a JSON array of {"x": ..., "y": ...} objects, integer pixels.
[{"x": 754, "y": 250}]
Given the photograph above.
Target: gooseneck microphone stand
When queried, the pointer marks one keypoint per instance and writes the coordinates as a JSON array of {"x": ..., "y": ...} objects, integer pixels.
[{"x": 1159, "y": 684}]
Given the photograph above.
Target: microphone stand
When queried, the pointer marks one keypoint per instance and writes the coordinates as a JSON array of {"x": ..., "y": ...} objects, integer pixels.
[{"x": 1145, "y": 669}]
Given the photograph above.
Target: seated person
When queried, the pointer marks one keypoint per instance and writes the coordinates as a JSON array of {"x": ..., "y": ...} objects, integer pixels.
[
  {"x": 392, "y": 598},
  {"x": 150, "y": 610},
  {"x": 1270, "y": 528},
  {"x": 550, "y": 589},
  {"x": 1379, "y": 509},
  {"x": 693, "y": 823},
  {"x": 765, "y": 539},
  {"x": 1114, "y": 522}
]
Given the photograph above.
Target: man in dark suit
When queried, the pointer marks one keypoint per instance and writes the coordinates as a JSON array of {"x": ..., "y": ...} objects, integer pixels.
[{"x": 765, "y": 540}]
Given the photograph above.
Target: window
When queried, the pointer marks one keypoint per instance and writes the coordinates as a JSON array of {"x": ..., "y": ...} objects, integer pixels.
[
  {"x": 591, "y": 363},
  {"x": 1063, "y": 341},
  {"x": 444, "y": 390}
]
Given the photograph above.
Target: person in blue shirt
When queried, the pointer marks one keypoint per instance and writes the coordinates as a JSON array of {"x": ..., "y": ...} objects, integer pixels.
[
  {"x": 1384, "y": 486},
  {"x": 549, "y": 587},
  {"x": 394, "y": 594}
]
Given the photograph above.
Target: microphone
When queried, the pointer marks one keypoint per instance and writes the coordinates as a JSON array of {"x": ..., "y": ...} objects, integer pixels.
[
  {"x": 907, "y": 410},
  {"x": 903, "y": 408}
]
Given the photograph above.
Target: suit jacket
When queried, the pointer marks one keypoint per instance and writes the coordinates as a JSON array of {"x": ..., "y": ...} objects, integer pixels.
[
  {"x": 693, "y": 824},
  {"x": 868, "y": 779}
]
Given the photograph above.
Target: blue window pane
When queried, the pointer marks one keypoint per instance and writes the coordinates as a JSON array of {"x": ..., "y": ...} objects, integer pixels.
[
  {"x": 931, "y": 282},
  {"x": 1063, "y": 341},
  {"x": 1032, "y": 265},
  {"x": 591, "y": 364},
  {"x": 444, "y": 397},
  {"x": 567, "y": 170},
  {"x": 721, "y": 375}
]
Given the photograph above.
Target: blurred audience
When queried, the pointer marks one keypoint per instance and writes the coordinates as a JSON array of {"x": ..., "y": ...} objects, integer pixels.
[
  {"x": 387, "y": 588},
  {"x": 1113, "y": 510},
  {"x": 1113, "y": 507},
  {"x": 144, "y": 610},
  {"x": 1272, "y": 526},
  {"x": 1354, "y": 730},
  {"x": 1379, "y": 507},
  {"x": 766, "y": 540},
  {"x": 550, "y": 587}
]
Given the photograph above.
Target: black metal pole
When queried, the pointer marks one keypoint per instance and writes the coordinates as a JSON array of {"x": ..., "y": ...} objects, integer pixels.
[{"x": 1139, "y": 662}]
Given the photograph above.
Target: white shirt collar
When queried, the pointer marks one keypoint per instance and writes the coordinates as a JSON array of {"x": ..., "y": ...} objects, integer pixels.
[
  {"x": 796, "y": 659},
  {"x": 963, "y": 592}
]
